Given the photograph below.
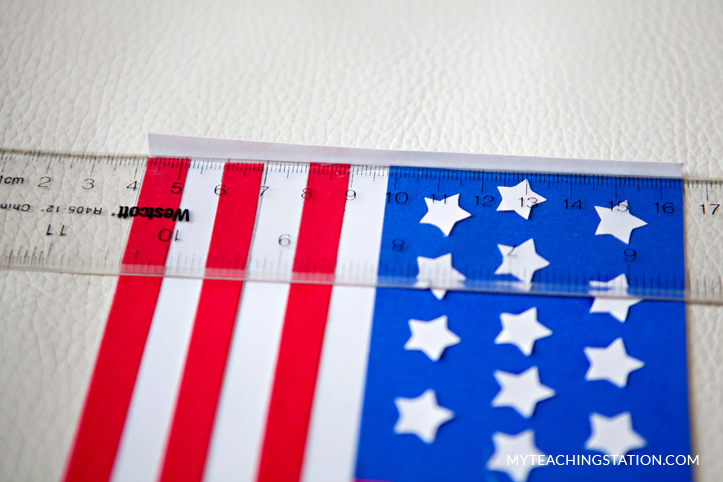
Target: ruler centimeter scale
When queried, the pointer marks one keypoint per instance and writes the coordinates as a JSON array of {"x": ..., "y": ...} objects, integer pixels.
[{"x": 72, "y": 213}]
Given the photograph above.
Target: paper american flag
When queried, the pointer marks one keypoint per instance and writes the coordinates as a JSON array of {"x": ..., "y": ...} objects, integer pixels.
[{"x": 224, "y": 380}]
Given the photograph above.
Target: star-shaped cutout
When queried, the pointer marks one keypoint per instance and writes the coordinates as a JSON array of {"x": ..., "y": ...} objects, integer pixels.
[
  {"x": 617, "y": 307},
  {"x": 520, "y": 198},
  {"x": 522, "y": 392},
  {"x": 438, "y": 272},
  {"x": 431, "y": 337},
  {"x": 522, "y": 330},
  {"x": 444, "y": 214},
  {"x": 515, "y": 447},
  {"x": 612, "y": 363},
  {"x": 521, "y": 261},
  {"x": 617, "y": 284},
  {"x": 618, "y": 221},
  {"x": 613, "y": 435},
  {"x": 421, "y": 416}
]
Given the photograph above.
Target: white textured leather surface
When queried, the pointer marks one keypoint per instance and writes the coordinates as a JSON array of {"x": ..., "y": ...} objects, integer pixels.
[
  {"x": 50, "y": 330},
  {"x": 607, "y": 79}
]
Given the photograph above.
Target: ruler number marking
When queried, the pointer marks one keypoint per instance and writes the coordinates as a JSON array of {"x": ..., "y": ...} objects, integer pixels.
[
  {"x": 44, "y": 181},
  {"x": 400, "y": 198},
  {"x": 621, "y": 207},
  {"x": 630, "y": 255},
  {"x": 531, "y": 202},
  {"x": 50, "y": 232},
  {"x": 667, "y": 208},
  {"x": 487, "y": 201},
  {"x": 285, "y": 240},
  {"x": 577, "y": 204},
  {"x": 711, "y": 205},
  {"x": 88, "y": 184},
  {"x": 165, "y": 235}
]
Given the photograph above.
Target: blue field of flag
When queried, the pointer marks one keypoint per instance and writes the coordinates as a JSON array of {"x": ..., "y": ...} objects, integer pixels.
[{"x": 645, "y": 413}]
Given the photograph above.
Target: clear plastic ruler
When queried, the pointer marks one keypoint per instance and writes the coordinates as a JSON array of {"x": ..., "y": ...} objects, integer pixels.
[{"x": 73, "y": 213}]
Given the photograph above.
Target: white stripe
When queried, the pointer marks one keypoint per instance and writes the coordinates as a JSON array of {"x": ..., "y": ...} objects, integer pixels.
[
  {"x": 334, "y": 430},
  {"x": 142, "y": 446},
  {"x": 241, "y": 417}
]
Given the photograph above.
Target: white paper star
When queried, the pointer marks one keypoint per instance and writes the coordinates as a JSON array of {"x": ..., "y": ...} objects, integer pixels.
[
  {"x": 612, "y": 363},
  {"x": 438, "y": 272},
  {"x": 520, "y": 198},
  {"x": 617, "y": 284},
  {"x": 613, "y": 435},
  {"x": 421, "y": 416},
  {"x": 516, "y": 455},
  {"x": 617, "y": 307},
  {"x": 522, "y": 330},
  {"x": 521, "y": 261},
  {"x": 522, "y": 392},
  {"x": 618, "y": 221},
  {"x": 444, "y": 214},
  {"x": 431, "y": 337}
]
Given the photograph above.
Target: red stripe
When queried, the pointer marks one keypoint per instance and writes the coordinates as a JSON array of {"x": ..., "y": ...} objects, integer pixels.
[
  {"x": 162, "y": 186},
  {"x": 303, "y": 332},
  {"x": 213, "y": 327},
  {"x": 129, "y": 319}
]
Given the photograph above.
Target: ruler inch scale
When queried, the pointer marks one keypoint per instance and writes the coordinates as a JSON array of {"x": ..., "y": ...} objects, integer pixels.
[{"x": 71, "y": 213}]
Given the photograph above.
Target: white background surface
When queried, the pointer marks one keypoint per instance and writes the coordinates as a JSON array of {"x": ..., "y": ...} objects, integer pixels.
[{"x": 596, "y": 79}]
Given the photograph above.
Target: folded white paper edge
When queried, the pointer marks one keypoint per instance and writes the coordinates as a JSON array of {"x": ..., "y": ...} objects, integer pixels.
[{"x": 204, "y": 147}]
